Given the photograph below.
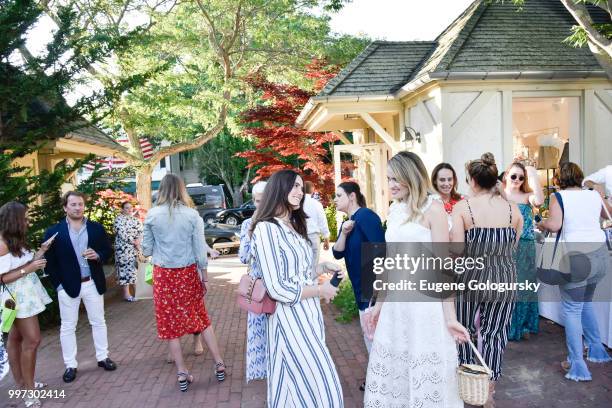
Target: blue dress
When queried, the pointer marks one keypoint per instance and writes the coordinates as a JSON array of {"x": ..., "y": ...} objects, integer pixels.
[
  {"x": 256, "y": 344},
  {"x": 526, "y": 316}
]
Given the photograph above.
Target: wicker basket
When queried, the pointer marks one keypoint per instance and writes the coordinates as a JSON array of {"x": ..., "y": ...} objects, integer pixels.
[{"x": 474, "y": 384}]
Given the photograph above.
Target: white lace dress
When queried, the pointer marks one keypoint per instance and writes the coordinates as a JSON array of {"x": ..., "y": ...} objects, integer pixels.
[{"x": 414, "y": 357}]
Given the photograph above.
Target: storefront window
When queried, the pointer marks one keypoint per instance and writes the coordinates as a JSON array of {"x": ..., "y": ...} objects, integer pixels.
[{"x": 543, "y": 130}]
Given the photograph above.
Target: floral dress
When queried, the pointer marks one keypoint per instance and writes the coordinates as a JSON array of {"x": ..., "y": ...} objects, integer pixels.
[
  {"x": 526, "y": 315},
  {"x": 29, "y": 293},
  {"x": 127, "y": 229}
]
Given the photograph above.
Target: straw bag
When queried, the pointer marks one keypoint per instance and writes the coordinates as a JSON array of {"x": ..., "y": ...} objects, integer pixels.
[{"x": 474, "y": 380}]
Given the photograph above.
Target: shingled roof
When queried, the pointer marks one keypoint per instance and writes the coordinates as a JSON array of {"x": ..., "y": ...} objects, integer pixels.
[
  {"x": 93, "y": 135},
  {"x": 381, "y": 69},
  {"x": 488, "y": 37}
]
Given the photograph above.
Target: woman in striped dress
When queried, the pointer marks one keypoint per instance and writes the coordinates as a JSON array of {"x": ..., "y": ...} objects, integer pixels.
[
  {"x": 487, "y": 224},
  {"x": 300, "y": 370}
]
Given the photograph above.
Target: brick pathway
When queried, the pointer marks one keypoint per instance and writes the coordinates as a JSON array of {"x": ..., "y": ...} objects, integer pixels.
[{"x": 143, "y": 379}]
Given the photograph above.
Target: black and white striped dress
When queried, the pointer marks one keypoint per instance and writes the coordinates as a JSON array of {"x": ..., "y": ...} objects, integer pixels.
[
  {"x": 495, "y": 246},
  {"x": 301, "y": 372}
]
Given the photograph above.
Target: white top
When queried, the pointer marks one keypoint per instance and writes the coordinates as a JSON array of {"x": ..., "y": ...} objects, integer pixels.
[
  {"x": 398, "y": 230},
  {"x": 316, "y": 223},
  {"x": 581, "y": 210},
  {"x": 602, "y": 176}
]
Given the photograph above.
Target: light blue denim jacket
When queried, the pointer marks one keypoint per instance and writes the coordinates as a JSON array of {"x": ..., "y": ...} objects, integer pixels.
[{"x": 175, "y": 238}]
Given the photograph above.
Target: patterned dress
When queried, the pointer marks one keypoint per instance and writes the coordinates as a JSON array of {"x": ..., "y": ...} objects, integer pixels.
[
  {"x": 526, "y": 316},
  {"x": 127, "y": 229},
  {"x": 29, "y": 293},
  {"x": 178, "y": 295},
  {"x": 256, "y": 341},
  {"x": 301, "y": 372}
]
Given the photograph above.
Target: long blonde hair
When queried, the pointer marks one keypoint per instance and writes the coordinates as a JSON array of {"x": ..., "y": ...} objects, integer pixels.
[
  {"x": 409, "y": 170},
  {"x": 172, "y": 192}
]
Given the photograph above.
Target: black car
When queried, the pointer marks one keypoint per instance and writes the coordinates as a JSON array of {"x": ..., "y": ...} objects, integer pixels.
[
  {"x": 235, "y": 216},
  {"x": 222, "y": 234},
  {"x": 208, "y": 200}
]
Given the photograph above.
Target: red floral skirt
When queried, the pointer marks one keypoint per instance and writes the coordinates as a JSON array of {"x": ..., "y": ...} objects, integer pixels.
[{"x": 178, "y": 295}]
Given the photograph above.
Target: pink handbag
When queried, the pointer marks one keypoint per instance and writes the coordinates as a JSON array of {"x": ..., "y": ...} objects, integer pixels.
[{"x": 253, "y": 297}]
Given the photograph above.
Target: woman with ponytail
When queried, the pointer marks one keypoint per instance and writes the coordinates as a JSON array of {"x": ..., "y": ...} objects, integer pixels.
[{"x": 363, "y": 225}]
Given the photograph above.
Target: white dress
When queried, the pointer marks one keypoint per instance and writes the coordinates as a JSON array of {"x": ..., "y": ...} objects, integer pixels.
[
  {"x": 414, "y": 357},
  {"x": 29, "y": 293}
]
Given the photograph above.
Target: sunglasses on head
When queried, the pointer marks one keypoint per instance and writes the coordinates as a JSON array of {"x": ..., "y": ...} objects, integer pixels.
[{"x": 514, "y": 177}]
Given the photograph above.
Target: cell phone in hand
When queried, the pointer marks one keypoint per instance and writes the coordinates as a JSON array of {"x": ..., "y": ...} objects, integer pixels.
[
  {"x": 335, "y": 280},
  {"x": 51, "y": 239}
]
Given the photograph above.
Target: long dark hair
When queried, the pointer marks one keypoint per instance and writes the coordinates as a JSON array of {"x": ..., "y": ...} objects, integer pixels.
[
  {"x": 275, "y": 200},
  {"x": 434, "y": 179},
  {"x": 13, "y": 227},
  {"x": 352, "y": 187}
]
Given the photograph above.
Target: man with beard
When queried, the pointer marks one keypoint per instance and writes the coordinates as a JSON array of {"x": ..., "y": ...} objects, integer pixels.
[{"x": 74, "y": 263}]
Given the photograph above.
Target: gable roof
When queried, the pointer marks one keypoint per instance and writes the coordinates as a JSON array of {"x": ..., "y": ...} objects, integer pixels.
[
  {"x": 497, "y": 37},
  {"x": 93, "y": 135},
  {"x": 381, "y": 69},
  {"x": 488, "y": 38}
]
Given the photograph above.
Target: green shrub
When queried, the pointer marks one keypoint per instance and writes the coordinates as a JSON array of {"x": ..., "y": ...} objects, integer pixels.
[
  {"x": 345, "y": 301},
  {"x": 330, "y": 214}
]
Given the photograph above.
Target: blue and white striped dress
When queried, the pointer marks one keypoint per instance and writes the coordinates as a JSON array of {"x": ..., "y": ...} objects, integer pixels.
[{"x": 301, "y": 372}]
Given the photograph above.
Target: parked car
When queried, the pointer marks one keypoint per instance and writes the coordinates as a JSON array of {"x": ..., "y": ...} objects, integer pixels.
[
  {"x": 235, "y": 216},
  {"x": 208, "y": 200},
  {"x": 222, "y": 234}
]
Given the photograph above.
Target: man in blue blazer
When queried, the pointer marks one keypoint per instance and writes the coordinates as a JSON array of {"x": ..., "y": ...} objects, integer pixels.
[{"x": 74, "y": 263}]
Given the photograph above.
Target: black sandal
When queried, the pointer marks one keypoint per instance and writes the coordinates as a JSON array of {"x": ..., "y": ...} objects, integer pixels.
[
  {"x": 220, "y": 373},
  {"x": 184, "y": 384}
]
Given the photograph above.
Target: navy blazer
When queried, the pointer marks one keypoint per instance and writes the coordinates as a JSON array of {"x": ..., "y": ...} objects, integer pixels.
[{"x": 63, "y": 265}]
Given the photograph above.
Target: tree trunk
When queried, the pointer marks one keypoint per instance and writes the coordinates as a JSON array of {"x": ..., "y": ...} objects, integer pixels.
[
  {"x": 144, "y": 175},
  {"x": 237, "y": 197}
]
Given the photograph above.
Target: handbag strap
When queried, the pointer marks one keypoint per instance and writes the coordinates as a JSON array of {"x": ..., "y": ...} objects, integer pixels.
[
  {"x": 480, "y": 359},
  {"x": 606, "y": 209},
  {"x": 4, "y": 287},
  {"x": 560, "y": 200}
]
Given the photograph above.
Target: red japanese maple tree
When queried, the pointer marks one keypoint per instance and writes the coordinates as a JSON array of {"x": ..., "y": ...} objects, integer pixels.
[{"x": 282, "y": 145}]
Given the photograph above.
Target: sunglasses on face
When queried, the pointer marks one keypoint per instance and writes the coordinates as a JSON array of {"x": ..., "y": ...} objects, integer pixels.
[{"x": 514, "y": 177}]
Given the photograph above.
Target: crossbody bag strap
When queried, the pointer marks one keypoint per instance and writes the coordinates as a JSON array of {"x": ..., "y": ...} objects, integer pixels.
[
  {"x": 4, "y": 287},
  {"x": 560, "y": 200}
]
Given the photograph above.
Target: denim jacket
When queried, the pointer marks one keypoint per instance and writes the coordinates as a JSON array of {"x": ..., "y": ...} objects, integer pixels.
[{"x": 175, "y": 238}]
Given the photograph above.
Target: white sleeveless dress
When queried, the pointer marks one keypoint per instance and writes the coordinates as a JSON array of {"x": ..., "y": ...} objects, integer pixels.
[{"x": 414, "y": 357}]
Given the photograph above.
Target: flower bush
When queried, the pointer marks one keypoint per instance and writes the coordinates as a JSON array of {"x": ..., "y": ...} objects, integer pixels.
[{"x": 106, "y": 206}]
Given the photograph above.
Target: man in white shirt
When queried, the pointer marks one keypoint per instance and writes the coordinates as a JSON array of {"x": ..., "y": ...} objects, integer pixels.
[
  {"x": 600, "y": 181},
  {"x": 316, "y": 223}
]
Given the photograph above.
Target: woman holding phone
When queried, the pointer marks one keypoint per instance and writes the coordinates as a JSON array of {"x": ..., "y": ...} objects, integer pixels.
[
  {"x": 300, "y": 370},
  {"x": 17, "y": 271}
]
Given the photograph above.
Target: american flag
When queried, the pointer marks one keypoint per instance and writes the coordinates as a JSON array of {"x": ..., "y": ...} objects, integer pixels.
[{"x": 117, "y": 163}]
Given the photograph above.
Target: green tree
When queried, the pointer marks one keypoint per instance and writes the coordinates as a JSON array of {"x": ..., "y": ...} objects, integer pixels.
[
  {"x": 205, "y": 48},
  {"x": 217, "y": 159},
  {"x": 32, "y": 106}
]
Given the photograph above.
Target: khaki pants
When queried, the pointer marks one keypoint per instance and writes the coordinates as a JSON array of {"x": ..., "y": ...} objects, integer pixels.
[{"x": 315, "y": 243}]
